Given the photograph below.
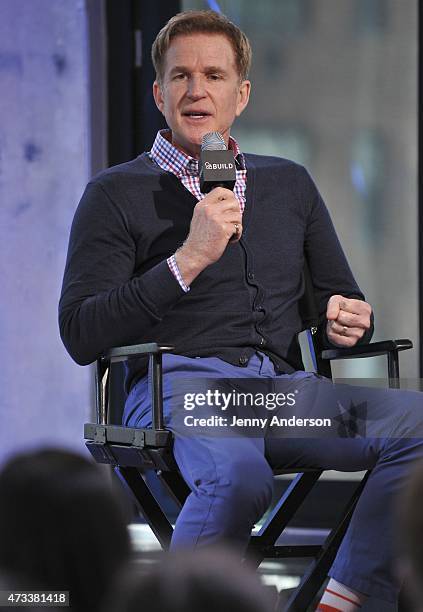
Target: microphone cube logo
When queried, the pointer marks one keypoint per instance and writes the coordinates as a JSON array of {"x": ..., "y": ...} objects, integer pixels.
[
  {"x": 221, "y": 166},
  {"x": 217, "y": 168}
]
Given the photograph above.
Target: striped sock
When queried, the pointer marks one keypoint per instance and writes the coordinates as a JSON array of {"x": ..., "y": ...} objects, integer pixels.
[{"x": 339, "y": 598}]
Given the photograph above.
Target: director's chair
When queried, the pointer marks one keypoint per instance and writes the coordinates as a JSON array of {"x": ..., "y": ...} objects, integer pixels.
[{"x": 132, "y": 452}]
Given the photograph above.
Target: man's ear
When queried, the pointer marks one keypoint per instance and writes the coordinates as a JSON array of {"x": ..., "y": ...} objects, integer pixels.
[
  {"x": 243, "y": 96},
  {"x": 158, "y": 96}
]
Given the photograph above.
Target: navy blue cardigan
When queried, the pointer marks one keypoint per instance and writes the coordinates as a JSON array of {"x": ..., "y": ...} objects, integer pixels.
[{"x": 118, "y": 289}]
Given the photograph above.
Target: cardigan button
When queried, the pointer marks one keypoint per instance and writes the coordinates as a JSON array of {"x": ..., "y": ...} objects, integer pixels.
[
  {"x": 250, "y": 276},
  {"x": 243, "y": 359},
  {"x": 262, "y": 341}
]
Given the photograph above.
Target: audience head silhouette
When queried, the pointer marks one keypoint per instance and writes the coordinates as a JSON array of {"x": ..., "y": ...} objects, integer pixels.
[
  {"x": 189, "y": 581},
  {"x": 61, "y": 526}
]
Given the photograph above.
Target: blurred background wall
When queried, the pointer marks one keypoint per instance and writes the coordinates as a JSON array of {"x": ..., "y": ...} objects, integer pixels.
[
  {"x": 44, "y": 165},
  {"x": 334, "y": 88}
]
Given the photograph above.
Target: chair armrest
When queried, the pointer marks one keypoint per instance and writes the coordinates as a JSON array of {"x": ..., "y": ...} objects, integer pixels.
[
  {"x": 373, "y": 349},
  {"x": 154, "y": 352},
  {"x": 123, "y": 353}
]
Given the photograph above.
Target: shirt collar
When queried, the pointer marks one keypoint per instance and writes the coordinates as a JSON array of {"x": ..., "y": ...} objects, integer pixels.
[{"x": 171, "y": 159}]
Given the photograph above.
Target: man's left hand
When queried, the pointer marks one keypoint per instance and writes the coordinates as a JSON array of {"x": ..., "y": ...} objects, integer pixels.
[{"x": 348, "y": 320}]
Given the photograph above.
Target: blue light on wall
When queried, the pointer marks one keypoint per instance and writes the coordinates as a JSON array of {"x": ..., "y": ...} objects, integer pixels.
[{"x": 214, "y": 6}]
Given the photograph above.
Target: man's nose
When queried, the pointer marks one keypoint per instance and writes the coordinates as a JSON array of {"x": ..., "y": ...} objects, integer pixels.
[{"x": 196, "y": 88}]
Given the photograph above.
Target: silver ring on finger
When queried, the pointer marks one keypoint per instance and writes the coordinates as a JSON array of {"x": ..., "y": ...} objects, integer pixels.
[{"x": 344, "y": 330}]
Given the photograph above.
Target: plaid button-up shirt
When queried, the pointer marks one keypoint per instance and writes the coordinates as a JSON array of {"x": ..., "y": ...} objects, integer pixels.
[{"x": 185, "y": 168}]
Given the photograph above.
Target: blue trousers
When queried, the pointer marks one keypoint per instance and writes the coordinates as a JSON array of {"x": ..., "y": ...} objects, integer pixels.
[{"x": 231, "y": 477}]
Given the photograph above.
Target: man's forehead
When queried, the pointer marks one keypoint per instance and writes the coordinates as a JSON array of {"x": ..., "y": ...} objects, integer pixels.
[{"x": 208, "y": 48}]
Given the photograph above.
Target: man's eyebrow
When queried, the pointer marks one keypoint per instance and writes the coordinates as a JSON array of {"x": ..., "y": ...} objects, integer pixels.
[
  {"x": 207, "y": 70},
  {"x": 179, "y": 69},
  {"x": 215, "y": 69}
]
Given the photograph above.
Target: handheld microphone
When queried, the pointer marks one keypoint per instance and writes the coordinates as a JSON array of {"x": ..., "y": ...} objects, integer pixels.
[{"x": 217, "y": 164}]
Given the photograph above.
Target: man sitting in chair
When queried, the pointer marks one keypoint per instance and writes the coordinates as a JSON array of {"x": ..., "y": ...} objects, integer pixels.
[{"x": 151, "y": 258}]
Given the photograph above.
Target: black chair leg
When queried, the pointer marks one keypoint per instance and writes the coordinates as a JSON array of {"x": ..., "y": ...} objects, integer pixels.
[
  {"x": 281, "y": 515},
  {"x": 316, "y": 574},
  {"x": 175, "y": 485},
  {"x": 146, "y": 503}
]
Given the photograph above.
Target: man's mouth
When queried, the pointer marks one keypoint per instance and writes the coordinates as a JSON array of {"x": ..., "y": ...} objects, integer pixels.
[{"x": 196, "y": 114}]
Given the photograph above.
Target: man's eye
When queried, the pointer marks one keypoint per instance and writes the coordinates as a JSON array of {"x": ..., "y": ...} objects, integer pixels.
[
  {"x": 179, "y": 76},
  {"x": 214, "y": 77}
]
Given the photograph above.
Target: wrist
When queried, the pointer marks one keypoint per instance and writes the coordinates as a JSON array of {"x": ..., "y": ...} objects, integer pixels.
[{"x": 189, "y": 265}]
